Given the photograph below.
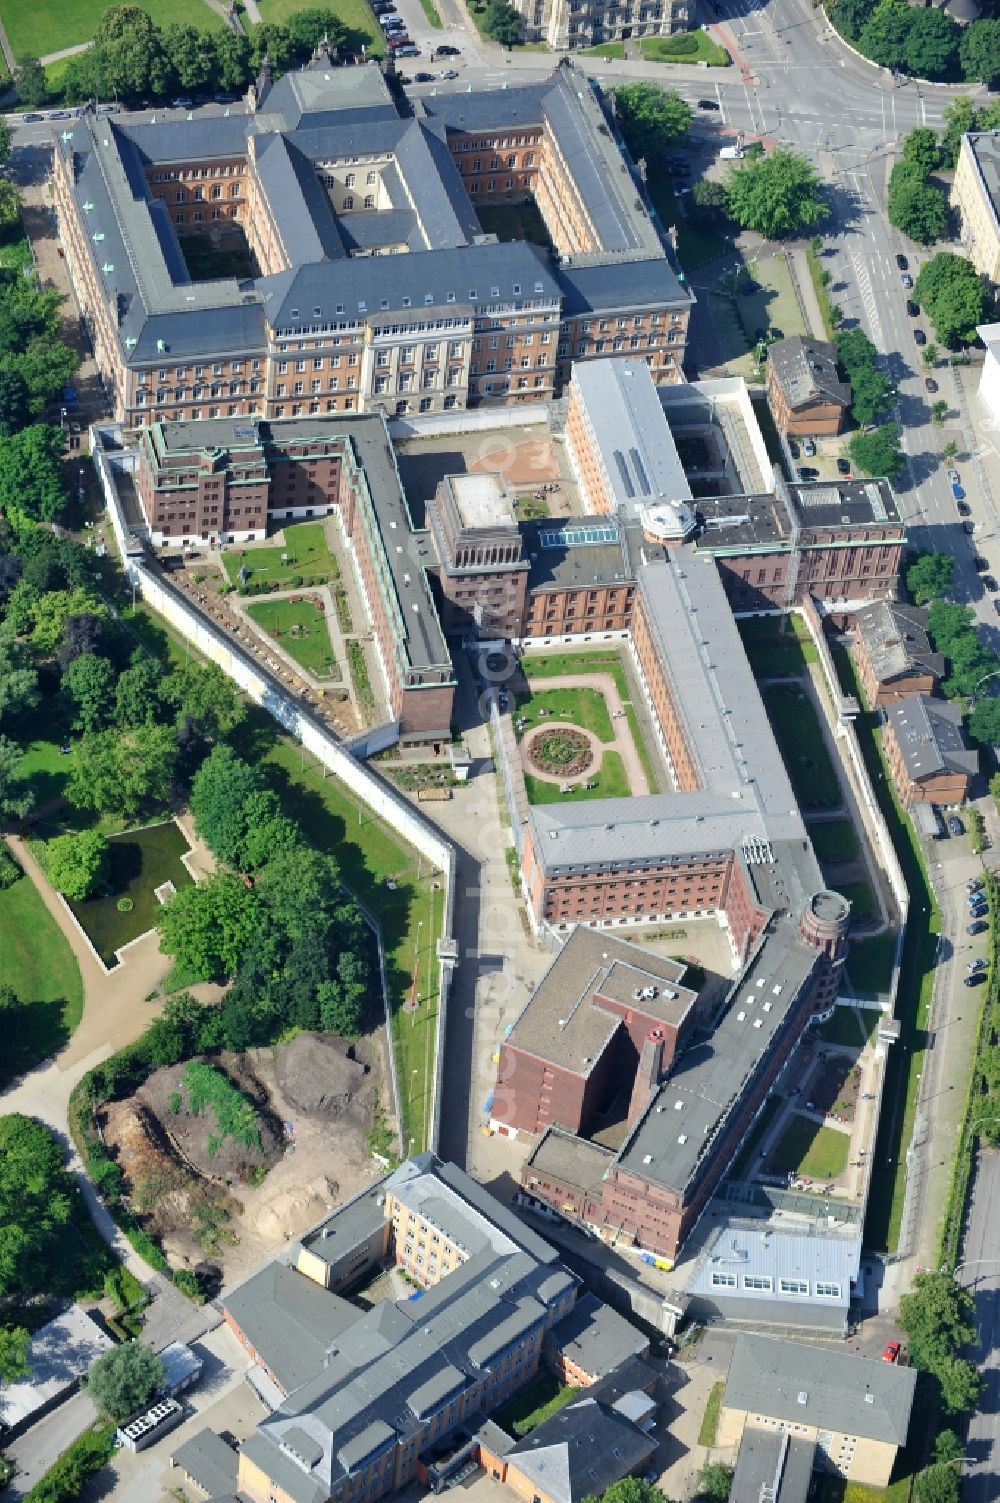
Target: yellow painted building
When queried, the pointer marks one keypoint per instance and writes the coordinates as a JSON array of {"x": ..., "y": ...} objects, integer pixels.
[{"x": 976, "y": 194}]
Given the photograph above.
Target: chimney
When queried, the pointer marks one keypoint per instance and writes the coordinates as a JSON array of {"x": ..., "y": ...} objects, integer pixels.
[{"x": 647, "y": 1076}]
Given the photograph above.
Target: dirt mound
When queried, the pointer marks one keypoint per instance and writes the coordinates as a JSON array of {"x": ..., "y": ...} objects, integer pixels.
[
  {"x": 322, "y": 1077},
  {"x": 199, "y": 1140}
]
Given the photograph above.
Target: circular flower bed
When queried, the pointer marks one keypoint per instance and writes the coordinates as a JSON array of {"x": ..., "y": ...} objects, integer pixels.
[
  {"x": 561, "y": 752},
  {"x": 125, "y": 905}
]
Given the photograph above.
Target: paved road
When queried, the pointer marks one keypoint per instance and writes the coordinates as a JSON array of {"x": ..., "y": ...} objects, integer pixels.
[{"x": 980, "y": 1272}]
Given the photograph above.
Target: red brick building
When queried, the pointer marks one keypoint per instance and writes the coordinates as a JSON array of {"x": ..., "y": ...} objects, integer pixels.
[
  {"x": 892, "y": 652},
  {"x": 804, "y": 387},
  {"x": 926, "y": 751}
]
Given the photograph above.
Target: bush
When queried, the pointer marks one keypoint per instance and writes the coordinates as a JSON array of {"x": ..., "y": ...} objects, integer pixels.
[
  {"x": 175, "y": 1102},
  {"x": 686, "y": 42},
  {"x": 125, "y": 905},
  {"x": 65, "y": 1479},
  {"x": 9, "y": 869},
  {"x": 187, "y": 1283},
  {"x": 296, "y": 581}
]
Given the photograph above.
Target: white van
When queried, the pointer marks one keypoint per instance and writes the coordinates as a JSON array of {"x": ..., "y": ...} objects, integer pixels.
[{"x": 730, "y": 153}]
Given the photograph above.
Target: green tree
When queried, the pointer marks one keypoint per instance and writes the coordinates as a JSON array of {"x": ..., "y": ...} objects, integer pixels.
[
  {"x": 125, "y": 1379},
  {"x": 128, "y": 55},
  {"x": 949, "y": 288},
  {"x": 207, "y": 927},
  {"x": 878, "y": 452},
  {"x": 947, "y": 1446},
  {"x": 984, "y": 722},
  {"x": 979, "y": 51},
  {"x": 88, "y": 688},
  {"x": 849, "y": 17},
  {"x": 14, "y": 402},
  {"x": 47, "y": 364},
  {"x": 36, "y": 1201},
  {"x": 220, "y": 792},
  {"x": 937, "y": 1484},
  {"x": 914, "y": 205},
  {"x": 137, "y": 695},
  {"x": 342, "y": 999},
  {"x": 921, "y": 150},
  {"x": 31, "y": 475},
  {"x": 947, "y": 623},
  {"x": 232, "y": 58},
  {"x": 950, "y": 452},
  {"x": 15, "y": 794},
  {"x": 307, "y": 28},
  {"x": 929, "y": 576},
  {"x": 939, "y": 412},
  {"x": 18, "y": 682},
  {"x": 206, "y": 702},
  {"x": 959, "y": 117},
  {"x": 274, "y": 41},
  {"x": 937, "y": 1314},
  {"x": 650, "y": 118},
  {"x": 14, "y": 1343},
  {"x": 778, "y": 195},
  {"x": 502, "y": 22},
  {"x": 871, "y": 395},
  {"x": 885, "y": 34},
  {"x": 931, "y": 43},
  {"x": 191, "y": 54},
  {"x": 124, "y": 771},
  {"x": 32, "y": 85},
  {"x": 629, "y": 1490},
  {"x": 714, "y": 1482},
  {"x": 77, "y": 863}
]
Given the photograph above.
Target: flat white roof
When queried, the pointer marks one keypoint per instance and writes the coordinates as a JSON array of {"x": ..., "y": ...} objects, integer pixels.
[
  {"x": 482, "y": 500},
  {"x": 59, "y": 1355},
  {"x": 633, "y": 437}
]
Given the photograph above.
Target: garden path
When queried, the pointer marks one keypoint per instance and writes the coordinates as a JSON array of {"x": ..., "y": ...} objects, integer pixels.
[{"x": 622, "y": 744}]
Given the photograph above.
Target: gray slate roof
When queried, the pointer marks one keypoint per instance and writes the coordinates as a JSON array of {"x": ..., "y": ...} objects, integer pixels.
[
  {"x": 806, "y": 370},
  {"x": 209, "y": 1462},
  {"x": 929, "y": 735},
  {"x": 581, "y": 1450},
  {"x": 822, "y": 1386},
  {"x": 289, "y": 1320},
  {"x": 895, "y": 639},
  {"x": 773, "y": 1460},
  {"x": 597, "y": 1338}
]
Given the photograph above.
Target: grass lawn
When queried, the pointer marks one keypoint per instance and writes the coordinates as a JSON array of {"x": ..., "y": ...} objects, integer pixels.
[
  {"x": 514, "y": 222},
  {"x": 583, "y": 707},
  {"x": 609, "y": 782},
  {"x": 709, "y": 1429},
  {"x": 35, "y": 30},
  {"x": 430, "y": 11},
  {"x": 354, "y": 13},
  {"x": 869, "y": 963},
  {"x": 834, "y": 840},
  {"x": 301, "y": 629},
  {"x": 862, "y": 900},
  {"x": 800, "y": 739},
  {"x": 847, "y": 1026},
  {"x": 140, "y": 861},
  {"x": 774, "y": 652},
  {"x": 207, "y": 263},
  {"x": 36, "y": 960},
  {"x": 411, "y": 913},
  {"x": 697, "y": 243},
  {"x": 524, "y": 1411},
  {"x": 748, "y": 1152},
  {"x": 46, "y": 769},
  {"x": 609, "y": 49},
  {"x": 773, "y": 305},
  {"x": 305, "y": 551},
  {"x": 665, "y": 50},
  {"x": 554, "y": 664},
  {"x": 806, "y": 1147}
]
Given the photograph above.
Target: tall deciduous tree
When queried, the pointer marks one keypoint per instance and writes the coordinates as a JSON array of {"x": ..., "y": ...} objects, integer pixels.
[
  {"x": 125, "y": 1379},
  {"x": 915, "y": 206},
  {"x": 77, "y": 863},
  {"x": 878, "y": 452},
  {"x": 32, "y": 85},
  {"x": 88, "y": 690},
  {"x": 979, "y": 51},
  {"x": 18, "y": 682},
  {"x": 15, "y": 794},
  {"x": 929, "y": 576},
  {"x": 308, "y": 27},
  {"x": 779, "y": 194},
  {"x": 31, "y": 476},
  {"x": 984, "y": 722},
  {"x": 502, "y": 22},
  {"x": 931, "y": 43},
  {"x": 122, "y": 772},
  {"x": 207, "y": 927},
  {"x": 885, "y": 34},
  {"x": 949, "y": 287},
  {"x": 650, "y": 118}
]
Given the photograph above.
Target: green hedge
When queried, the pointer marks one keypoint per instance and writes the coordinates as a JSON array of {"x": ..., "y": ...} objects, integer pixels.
[{"x": 66, "y": 1478}]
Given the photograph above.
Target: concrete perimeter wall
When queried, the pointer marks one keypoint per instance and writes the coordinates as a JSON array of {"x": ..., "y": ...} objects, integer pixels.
[{"x": 266, "y": 691}]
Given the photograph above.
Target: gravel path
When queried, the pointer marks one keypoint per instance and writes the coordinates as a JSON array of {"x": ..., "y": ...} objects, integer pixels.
[{"x": 622, "y": 744}]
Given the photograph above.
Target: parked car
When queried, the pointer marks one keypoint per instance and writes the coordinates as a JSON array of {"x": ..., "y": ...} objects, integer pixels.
[
  {"x": 912, "y": 308},
  {"x": 30, "y": 119},
  {"x": 996, "y": 606},
  {"x": 969, "y": 527},
  {"x": 930, "y": 384},
  {"x": 906, "y": 280},
  {"x": 423, "y": 78},
  {"x": 957, "y": 491},
  {"x": 980, "y": 564},
  {"x": 953, "y": 476},
  {"x": 806, "y": 472},
  {"x": 448, "y": 51},
  {"x": 223, "y": 98},
  {"x": 793, "y": 448},
  {"x": 412, "y": 50},
  {"x": 979, "y": 927},
  {"x": 963, "y": 508},
  {"x": 680, "y": 168},
  {"x": 955, "y": 825},
  {"x": 707, "y": 104},
  {"x": 449, "y": 72},
  {"x": 808, "y": 447},
  {"x": 902, "y": 263},
  {"x": 397, "y": 43},
  {"x": 57, "y": 115},
  {"x": 979, "y": 964},
  {"x": 919, "y": 337},
  {"x": 892, "y": 1349},
  {"x": 976, "y": 979},
  {"x": 843, "y": 466},
  {"x": 183, "y": 103},
  {"x": 990, "y": 583},
  {"x": 974, "y": 884}
]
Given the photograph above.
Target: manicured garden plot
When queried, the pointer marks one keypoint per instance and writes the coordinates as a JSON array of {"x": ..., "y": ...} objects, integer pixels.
[{"x": 140, "y": 861}]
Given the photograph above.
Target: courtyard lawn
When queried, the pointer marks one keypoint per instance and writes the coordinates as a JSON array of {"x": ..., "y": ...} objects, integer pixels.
[
  {"x": 524, "y": 1411},
  {"x": 34, "y": 30},
  {"x": 869, "y": 963},
  {"x": 742, "y": 316},
  {"x": 774, "y": 652},
  {"x": 305, "y": 553},
  {"x": 697, "y": 243},
  {"x": 669, "y": 49},
  {"x": 514, "y": 221},
  {"x": 800, "y": 739},
  {"x": 583, "y": 707},
  {"x": 848, "y": 1026},
  {"x": 602, "y": 661},
  {"x": 300, "y": 629},
  {"x": 609, "y": 49},
  {"x": 37, "y": 962},
  {"x": 806, "y": 1147},
  {"x": 140, "y": 861},
  {"x": 609, "y": 782},
  {"x": 355, "y": 15},
  {"x": 834, "y": 840},
  {"x": 46, "y": 770},
  {"x": 864, "y": 908}
]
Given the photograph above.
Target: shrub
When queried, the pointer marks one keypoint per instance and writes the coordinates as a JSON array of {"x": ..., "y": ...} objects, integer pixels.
[
  {"x": 175, "y": 1102},
  {"x": 188, "y": 1284},
  {"x": 296, "y": 581},
  {"x": 125, "y": 905},
  {"x": 686, "y": 42},
  {"x": 65, "y": 1479},
  {"x": 9, "y": 869}
]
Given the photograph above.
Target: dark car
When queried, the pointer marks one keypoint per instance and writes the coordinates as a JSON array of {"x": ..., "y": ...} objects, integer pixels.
[
  {"x": 919, "y": 337},
  {"x": 980, "y": 564},
  {"x": 806, "y": 472},
  {"x": 707, "y": 104},
  {"x": 979, "y": 927},
  {"x": 423, "y": 78},
  {"x": 906, "y": 280},
  {"x": 969, "y": 527},
  {"x": 30, "y": 119},
  {"x": 793, "y": 448},
  {"x": 223, "y": 98},
  {"x": 976, "y": 979},
  {"x": 955, "y": 825},
  {"x": 843, "y": 466},
  {"x": 410, "y": 51},
  {"x": 902, "y": 263},
  {"x": 963, "y": 508},
  {"x": 930, "y": 385},
  {"x": 990, "y": 583},
  {"x": 957, "y": 491},
  {"x": 912, "y": 308},
  {"x": 448, "y": 51},
  {"x": 679, "y": 168}
]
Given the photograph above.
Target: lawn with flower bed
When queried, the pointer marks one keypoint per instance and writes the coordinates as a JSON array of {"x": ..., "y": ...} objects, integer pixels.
[{"x": 300, "y": 627}]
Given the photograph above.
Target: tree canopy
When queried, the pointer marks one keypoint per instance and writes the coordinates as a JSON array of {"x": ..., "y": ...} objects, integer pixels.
[
  {"x": 208, "y": 926},
  {"x": 650, "y": 118},
  {"x": 36, "y": 1201},
  {"x": 914, "y": 205},
  {"x": 777, "y": 195},
  {"x": 938, "y": 1484},
  {"x": 930, "y": 576},
  {"x": 937, "y": 1317},
  {"x": 31, "y": 475},
  {"x": 979, "y": 51},
  {"x": 870, "y": 387},
  {"x": 949, "y": 287},
  {"x": 124, "y": 772},
  {"x": 502, "y": 22},
  {"x": 983, "y": 723},
  {"x": 878, "y": 452},
  {"x": 125, "y": 1379},
  {"x": 77, "y": 863}
]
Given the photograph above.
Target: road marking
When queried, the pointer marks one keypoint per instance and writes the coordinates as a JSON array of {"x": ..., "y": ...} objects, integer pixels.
[{"x": 868, "y": 302}]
